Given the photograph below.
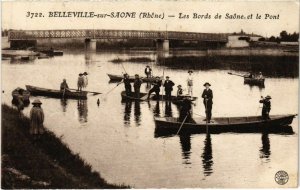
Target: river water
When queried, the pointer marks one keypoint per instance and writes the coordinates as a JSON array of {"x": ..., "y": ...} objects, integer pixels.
[{"x": 118, "y": 139}]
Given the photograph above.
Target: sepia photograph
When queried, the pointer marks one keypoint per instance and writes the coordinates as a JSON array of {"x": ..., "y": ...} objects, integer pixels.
[{"x": 149, "y": 94}]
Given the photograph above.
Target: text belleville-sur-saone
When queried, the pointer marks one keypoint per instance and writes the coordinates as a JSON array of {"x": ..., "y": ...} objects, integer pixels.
[
  {"x": 104, "y": 15},
  {"x": 155, "y": 15}
]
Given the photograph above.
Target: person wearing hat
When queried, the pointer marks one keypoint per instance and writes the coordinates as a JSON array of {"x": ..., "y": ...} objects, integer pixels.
[
  {"x": 207, "y": 96},
  {"x": 36, "y": 119},
  {"x": 148, "y": 71},
  {"x": 127, "y": 84},
  {"x": 190, "y": 83},
  {"x": 156, "y": 88},
  {"x": 168, "y": 84},
  {"x": 80, "y": 82},
  {"x": 137, "y": 85},
  {"x": 85, "y": 79},
  {"x": 266, "y": 107},
  {"x": 179, "y": 91},
  {"x": 260, "y": 76},
  {"x": 64, "y": 86}
]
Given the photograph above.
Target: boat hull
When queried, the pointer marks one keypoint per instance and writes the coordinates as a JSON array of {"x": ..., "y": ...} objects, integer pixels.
[
  {"x": 37, "y": 91},
  {"x": 116, "y": 78},
  {"x": 253, "y": 81},
  {"x": 220, "y": 125},
  {"x": 143, "y": 97}
]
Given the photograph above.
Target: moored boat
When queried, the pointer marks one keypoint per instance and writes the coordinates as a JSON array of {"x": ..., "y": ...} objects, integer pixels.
[
  {"x": 224, "y": 124},
  {"x": 20, "y": 94},
  {"x": 117, "y": 78},
  {"x": 144, "y": 97},
  {"x": 56, "y": 93},
  {"x": 254, "y": 81}
]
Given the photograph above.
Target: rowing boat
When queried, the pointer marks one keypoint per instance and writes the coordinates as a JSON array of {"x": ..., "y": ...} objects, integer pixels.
[
  {"x": 254, "y": 81},
  {"x": 144, "y": 96},
  {"x": 223, "y": 124},
  {"x": 56, "y": 93},
  {"x": 116, "y": 78}
]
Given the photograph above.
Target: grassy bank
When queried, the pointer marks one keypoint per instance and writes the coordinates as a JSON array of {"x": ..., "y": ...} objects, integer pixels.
[{"x": 47, "y": 163}]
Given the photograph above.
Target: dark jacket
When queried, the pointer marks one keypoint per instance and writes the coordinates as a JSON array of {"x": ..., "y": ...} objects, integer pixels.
[
  {"x": 186, "y": 106},
  {"x": 169, "y": 85},
  {"x": 126, "y": 81},
  {"x": 266, "y": 105},
  {"x": 149, "y": 70},
  {"x": 156, "y": 85},
  {"x": 137, "y": 83},
  {"x": 207, "y": 95}
]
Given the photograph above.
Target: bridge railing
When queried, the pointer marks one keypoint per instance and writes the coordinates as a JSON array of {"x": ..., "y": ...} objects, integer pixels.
[{"x": 114, "y": 34}]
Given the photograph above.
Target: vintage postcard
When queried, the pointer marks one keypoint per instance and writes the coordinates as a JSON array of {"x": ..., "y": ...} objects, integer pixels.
[{"x": 149, "y": 94}]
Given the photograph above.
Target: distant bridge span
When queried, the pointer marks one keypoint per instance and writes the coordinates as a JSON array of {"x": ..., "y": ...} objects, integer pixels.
[{"x": 115, "y": 34}]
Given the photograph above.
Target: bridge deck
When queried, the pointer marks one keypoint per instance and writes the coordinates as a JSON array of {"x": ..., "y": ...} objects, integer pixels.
[{"x": 115, "y": 34}]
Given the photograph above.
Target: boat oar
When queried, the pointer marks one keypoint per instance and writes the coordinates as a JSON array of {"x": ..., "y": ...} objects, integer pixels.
[
  {"x": 182, "y": 123},
  {"x": 235, "y": 74},
  {"x": 95, "y": 93}
]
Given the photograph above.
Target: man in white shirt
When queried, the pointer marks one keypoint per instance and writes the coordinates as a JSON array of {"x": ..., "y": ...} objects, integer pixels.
[{"x": 190, "y": 83}]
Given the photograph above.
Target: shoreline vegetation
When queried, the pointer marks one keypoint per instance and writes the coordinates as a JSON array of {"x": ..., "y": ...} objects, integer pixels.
[
  {"x": 133, "y": 59},
  {"x": 46, "y": 163}
]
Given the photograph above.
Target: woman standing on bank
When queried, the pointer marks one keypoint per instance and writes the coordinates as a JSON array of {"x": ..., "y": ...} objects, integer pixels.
[{"x": 36, "y": 119}]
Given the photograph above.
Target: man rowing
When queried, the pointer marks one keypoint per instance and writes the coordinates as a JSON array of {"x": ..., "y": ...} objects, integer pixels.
[
  {"x": 156, "y": 88},
  {"x": 64, "y": 87},
  {"x": 127, "y": 84}
]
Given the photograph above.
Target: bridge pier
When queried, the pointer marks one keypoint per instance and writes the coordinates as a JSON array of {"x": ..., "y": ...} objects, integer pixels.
[
  {"x": 162, "y": 45},
  {"x": 90, "y": 45}
]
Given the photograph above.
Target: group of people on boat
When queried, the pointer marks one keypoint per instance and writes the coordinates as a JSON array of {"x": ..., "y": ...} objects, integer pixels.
[
  {"x": 253, "y": 76},
  {"x": 82, "y": 83}
]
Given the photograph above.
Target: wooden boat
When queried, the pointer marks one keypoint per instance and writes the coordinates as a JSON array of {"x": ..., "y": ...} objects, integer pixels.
[
  {"x": 224, "y": 124},
  {"x": 56, "y": 93},
  {"x": 17, "y": 96},
  {"x": 144, "y": 97},
  {"x": 116, "y": 78},
  {"x": 254, "y": 81},
  {"x": 51, "y": 52}
]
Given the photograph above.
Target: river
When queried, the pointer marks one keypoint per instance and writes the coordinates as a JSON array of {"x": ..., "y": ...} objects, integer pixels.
[{"x": 118, "y": 139}]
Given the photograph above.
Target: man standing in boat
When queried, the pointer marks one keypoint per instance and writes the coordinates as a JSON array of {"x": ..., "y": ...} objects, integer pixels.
[
  {"x": 207, "y": 96},
  {"x": 85, "y": 79},
  {"x": 137, "y": 85},
  {"x": 185, "y": 110},
  {"x": 168, "y": 87},
  {"x": 127, "y": 84},
  {"x": 190, "y": 83},
  {"x": 148, "y": 71},
  {"x": 156, "y": 88},
  {"x": 266, "y": 106},
  {"x": 64, "y": 86},
  {"x": 80, "y": 82}
]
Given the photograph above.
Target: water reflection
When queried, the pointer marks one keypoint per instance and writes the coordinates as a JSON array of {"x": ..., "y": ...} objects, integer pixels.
[
  {"x": 156, "y": 110},
  {"x": 265, "y": 151},
  {"x": 82, "y": 110},
  {"x": 207, "y": 158},
  {"x": 185, "y": 141},
  {"x": 127, "y": 112},
  {"x": 137, "y": 112},
  {"x": 168, "y": 109},
  {"x": 64, "y": 104}
]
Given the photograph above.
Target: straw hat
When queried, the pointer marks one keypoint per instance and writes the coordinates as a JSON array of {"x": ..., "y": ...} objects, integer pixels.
[
  {"x": 206, "y": 84},
  {"x": 36, "y": 101},
  {"x": 268, "y": 97}
]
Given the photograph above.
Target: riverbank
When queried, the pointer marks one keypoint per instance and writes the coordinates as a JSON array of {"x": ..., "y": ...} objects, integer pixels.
[{"x": 47, "y": 163}]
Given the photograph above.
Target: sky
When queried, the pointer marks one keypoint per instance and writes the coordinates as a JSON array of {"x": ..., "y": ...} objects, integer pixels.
[{"x": 14, "y": 15}]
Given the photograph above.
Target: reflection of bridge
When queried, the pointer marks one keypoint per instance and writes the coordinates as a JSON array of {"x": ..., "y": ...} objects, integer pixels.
[{"x": 161, "y": 37}]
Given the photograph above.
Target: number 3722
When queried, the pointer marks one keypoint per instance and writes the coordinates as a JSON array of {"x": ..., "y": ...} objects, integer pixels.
[{"x": 34, "y": 15}]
